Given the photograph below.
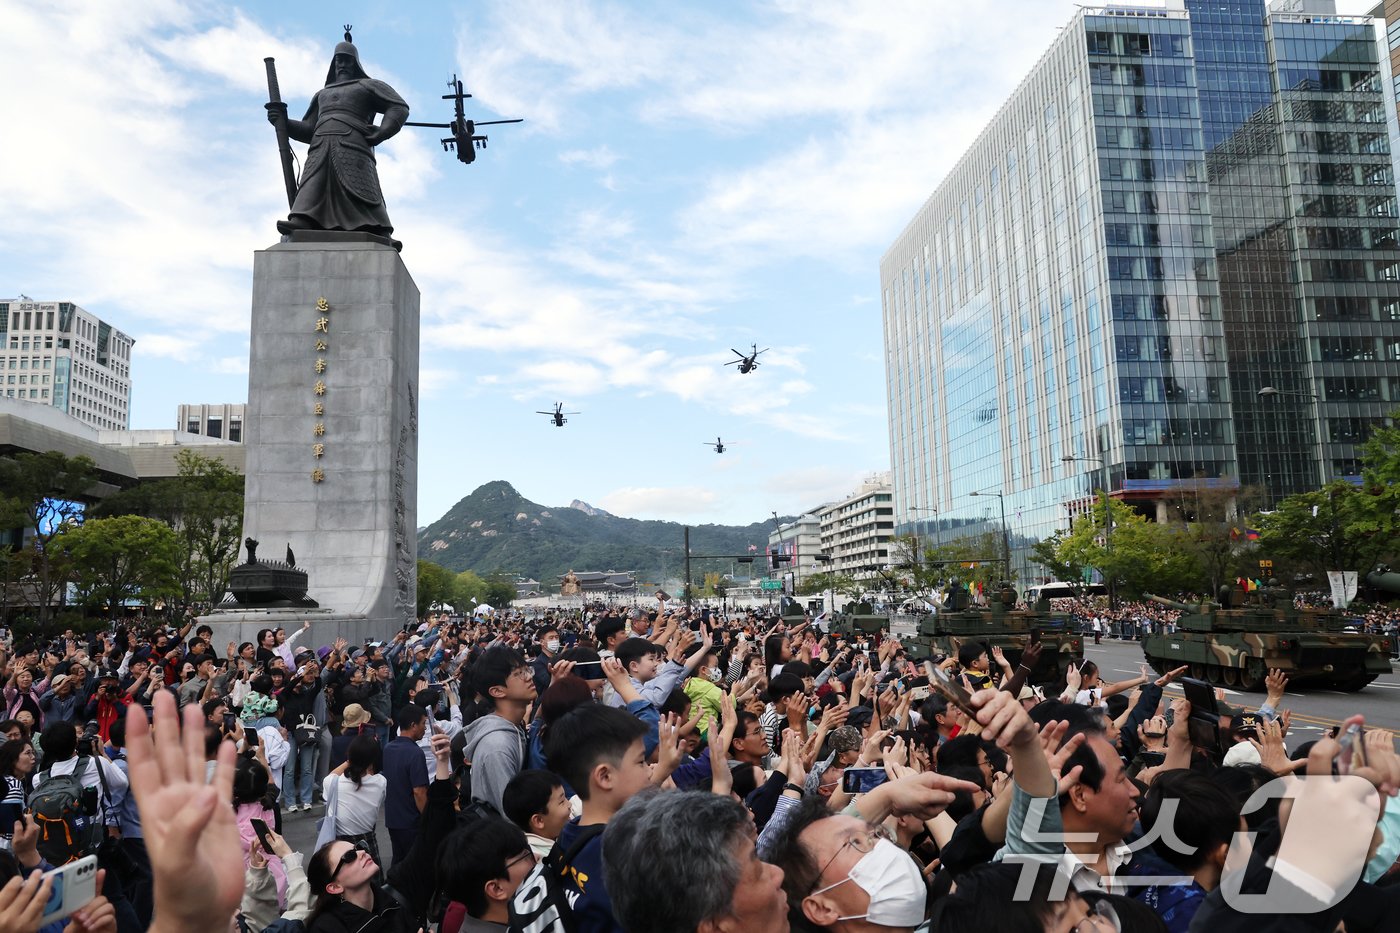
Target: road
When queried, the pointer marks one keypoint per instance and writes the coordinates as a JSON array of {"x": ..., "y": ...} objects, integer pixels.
[{"x": 1313, "y": 710}]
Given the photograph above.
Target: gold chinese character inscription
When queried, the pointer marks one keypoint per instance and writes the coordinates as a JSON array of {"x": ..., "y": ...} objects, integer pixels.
[
  {"x": 322, "y": 304},
  {"x": 319, "y": 388},
  {"x": 323, "y": 325},
  {"x": 319, "y": 430},
  {"x": 317, "y": 475},
  {"x": 320, "y": 346},
  {"x": 320, "y": 365},
  {"x": 318, "y": 450},
  {"x": 318, "y": 409}
]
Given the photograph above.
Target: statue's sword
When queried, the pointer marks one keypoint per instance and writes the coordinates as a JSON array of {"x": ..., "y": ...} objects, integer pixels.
[{"x": 284, "y": 147}]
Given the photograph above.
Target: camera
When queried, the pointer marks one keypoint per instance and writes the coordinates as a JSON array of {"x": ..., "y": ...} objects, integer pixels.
[{"x": 88, "y": 741}]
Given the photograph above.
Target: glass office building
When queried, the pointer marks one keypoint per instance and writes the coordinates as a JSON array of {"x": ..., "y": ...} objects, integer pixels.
[{"x": 1181, "y": 205}]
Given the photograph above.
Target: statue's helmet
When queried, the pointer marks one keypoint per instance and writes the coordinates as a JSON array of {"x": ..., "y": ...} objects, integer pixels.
[{"x": 345, "y": 47}]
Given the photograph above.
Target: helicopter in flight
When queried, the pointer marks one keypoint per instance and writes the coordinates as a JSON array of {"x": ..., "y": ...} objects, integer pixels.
[
  {"x": 717, "y": 444},
  {"x": 557, "y": 416},
  {"x": 749, "y": 363},
  {"x": 464, "y": 138}
]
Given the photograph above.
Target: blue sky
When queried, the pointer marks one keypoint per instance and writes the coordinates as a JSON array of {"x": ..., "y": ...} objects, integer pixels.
[{"x": 690, "y": 178}]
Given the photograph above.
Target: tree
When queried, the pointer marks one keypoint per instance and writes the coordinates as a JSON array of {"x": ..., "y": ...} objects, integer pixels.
[
  {"x": 203, "y": 502},
  {"x": 1380, "y": 472},
  {"x": 1142, "y": 556},
  {"x": 1208, "y": 519},
  {"x": 116, "y": 559},
  {"x": 818, "y": 583},
  {"x": 500, "y": 589},
  {"x": 435, "y": 585},
  {"x": 47, "y": 491},
  {"x": 468, "y": 591},
  {"x": 1339, "y": 527},
  {"x": 1058, "y": 558}
]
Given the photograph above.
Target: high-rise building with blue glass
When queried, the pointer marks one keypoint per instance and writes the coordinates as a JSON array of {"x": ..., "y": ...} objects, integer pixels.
[{"x": 1171, "y": 256}]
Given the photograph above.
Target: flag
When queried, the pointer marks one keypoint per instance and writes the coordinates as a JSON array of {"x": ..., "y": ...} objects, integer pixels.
[
  {"x": 753, "y": 547},
  {"x": 1251, "y": 534},
  {"x": 473, "y": 599}
]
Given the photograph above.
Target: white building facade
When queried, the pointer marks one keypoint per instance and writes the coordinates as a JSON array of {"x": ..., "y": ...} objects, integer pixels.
[
  {"x": 856, "y": 532},
  {"x": 55, "y": 353},
  {"x": 221, "y": 421}
]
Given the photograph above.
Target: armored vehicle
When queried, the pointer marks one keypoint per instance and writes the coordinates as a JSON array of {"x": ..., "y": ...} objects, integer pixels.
[
  {"x": 859, "y": 622},
  {"x": 1235, "y": 645},
  {"x": 1000, "y": 625}
]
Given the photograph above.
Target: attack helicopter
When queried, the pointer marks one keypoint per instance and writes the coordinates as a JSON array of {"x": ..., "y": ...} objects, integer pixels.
[
  {"x": 464, "y": 137},
  {"x": 749, "y": 363},
  {"x": 557, "y": 416},
  {"x": 717, "y": 444}
]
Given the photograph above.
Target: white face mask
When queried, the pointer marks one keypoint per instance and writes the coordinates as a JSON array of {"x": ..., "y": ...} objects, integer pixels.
[
  {"x": 894, "y": 883},
  {"x": 552, "y": 645},
  {"x": 714, "y": 673}
]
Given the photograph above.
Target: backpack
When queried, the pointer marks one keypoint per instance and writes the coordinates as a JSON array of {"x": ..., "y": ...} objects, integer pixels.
[
  {"x": 540, "y": 904},
  {"x": 307, "y": 731},
  {"x": 69, "y": 826}
]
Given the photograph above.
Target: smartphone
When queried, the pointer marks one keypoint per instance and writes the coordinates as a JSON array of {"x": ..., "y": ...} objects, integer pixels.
[
  {"x": 1353, "y": 752},
  {"x": 955, "y": 692},
  {"x": 1200, "y": 695},
  {"x": 250, "y": 736},
  {"x": 229, "y": 720},
  {"x": 1035, "y": 636},
  {"x": 862, "y": 780},
  {"x": 11, "y": 812},
  {"x": 74, "y": 885},
  {"x": 260, "y": 827},
  {"x": 589, "y": 670}
]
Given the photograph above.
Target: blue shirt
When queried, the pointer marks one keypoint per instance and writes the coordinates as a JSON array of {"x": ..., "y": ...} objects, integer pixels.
[
  {"x": 404, "y": 769},
  {"x": 584, "y": 885}
]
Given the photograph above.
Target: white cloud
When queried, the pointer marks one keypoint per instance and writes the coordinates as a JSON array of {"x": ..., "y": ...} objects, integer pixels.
[
  {"x": 806, "y": 488},
  {"x": 600, "y": 157},
  {"x": 167, "y": 346},
  {"x": 673, "y": 503}
]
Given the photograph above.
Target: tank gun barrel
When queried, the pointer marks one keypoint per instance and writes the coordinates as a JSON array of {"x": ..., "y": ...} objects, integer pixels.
[
  {"x": 1385, "y": 580},
  {"x": 1183, "y": 607}
]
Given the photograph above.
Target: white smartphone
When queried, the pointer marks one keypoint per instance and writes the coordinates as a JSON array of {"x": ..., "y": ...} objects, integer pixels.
[{"x": 74, "y": 885}]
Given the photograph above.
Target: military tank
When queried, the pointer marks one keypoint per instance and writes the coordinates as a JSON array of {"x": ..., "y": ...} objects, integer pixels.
[
  {"x": 859, "y": 622},
  {"x": 1235, "y": 643},
  {"x": 1000, "y": 625}
]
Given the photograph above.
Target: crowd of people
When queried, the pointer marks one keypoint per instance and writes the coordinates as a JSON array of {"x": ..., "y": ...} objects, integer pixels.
[{"x": 639, "y": 770}]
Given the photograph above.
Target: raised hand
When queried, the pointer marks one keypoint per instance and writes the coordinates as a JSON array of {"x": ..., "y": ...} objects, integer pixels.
[
  {"x": 1275, "y": 685},
  {"x": 1171, "y": 676},
  {"x": 1073, "y": 678},
  {"x": 1153, "y": 734},
  {"x": 1272, "y": 754},
  {"x": 560, "y": 669},
  {"x": 191, "y": 836},
  {"x": 668, "y": 748},
  {"x": 24, "y": 901}
]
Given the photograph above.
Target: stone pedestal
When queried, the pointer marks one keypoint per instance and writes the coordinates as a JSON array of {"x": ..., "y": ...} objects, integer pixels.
[{"x": 332, "y": 436}]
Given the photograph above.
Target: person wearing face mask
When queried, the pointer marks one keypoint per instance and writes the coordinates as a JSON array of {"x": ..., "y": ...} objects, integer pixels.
[
  {"x": 706, "y": 687},
  {"x": 549, "y": 654}
]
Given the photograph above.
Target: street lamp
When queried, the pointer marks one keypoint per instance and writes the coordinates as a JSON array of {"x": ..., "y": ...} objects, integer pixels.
[
  {"x": 1005, "y": 535},
  {"x": 1107, "y": 512}
]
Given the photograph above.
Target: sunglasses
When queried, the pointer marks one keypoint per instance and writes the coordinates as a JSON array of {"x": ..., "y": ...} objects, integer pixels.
[{"x": 349, "y": 857}]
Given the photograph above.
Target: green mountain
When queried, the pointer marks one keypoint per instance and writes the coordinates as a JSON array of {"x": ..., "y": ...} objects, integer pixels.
[{"x": 497, "y": 529}]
